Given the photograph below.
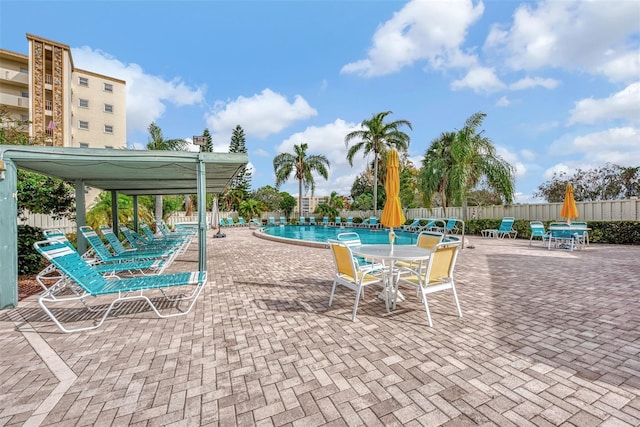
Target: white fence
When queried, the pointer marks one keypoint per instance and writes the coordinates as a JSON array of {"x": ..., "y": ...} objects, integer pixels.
[{"x": 610, "y": 210}]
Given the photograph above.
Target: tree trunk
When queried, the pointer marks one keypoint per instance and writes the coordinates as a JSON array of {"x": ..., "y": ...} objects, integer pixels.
[
  {"x": 299, "y": 197},
  {"x": 158, "y": 208},
  {"x": 188, "y": 206},
  {"x": 375, "y": 186}
]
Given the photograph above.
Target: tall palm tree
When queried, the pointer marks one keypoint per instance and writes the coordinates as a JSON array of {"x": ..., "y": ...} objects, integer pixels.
[
  {"x": 302, "y": 167},
  {"x": 157, "y": 142},
  {"x": 376, "y": 137},
  {"x": 457, "y": 162}
]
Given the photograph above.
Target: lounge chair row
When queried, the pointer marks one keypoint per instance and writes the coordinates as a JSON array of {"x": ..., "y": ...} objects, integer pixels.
[{"x": 128, "y": 273}]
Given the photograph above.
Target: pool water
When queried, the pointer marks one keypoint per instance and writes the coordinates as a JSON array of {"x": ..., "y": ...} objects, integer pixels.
[{"x": 320, "y": 233}]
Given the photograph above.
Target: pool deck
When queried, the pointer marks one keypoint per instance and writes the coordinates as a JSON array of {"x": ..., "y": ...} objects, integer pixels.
[{"x": 548, "y": 338}]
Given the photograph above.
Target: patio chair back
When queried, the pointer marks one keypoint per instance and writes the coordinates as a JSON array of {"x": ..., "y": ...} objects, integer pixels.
[
  {"x": 429, "y": 239},
  {"x": 437, "y": 276},
  {"x": 312, "y": 220},
  {"x": 347, "y": 274}
]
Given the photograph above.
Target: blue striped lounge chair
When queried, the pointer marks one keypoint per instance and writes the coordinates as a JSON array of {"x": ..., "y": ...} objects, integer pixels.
[
  {"x": 312, "y": 220},
  {"x": 505, "y": 229},
  {"x": 272, "y": 221},
  {"x": 283, "y": 221},
  {"x": 87, "y": 282},
  {"x": 302, "y": 220},
  {"x": 118, "y": 247},
  {"x": 414, "y": 226},
  {"x": 325, "y": 220},
  {"x": 105, "y": 255}
]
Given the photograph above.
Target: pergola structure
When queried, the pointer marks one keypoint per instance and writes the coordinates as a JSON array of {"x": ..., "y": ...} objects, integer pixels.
[{"x": 130, "y": 172}]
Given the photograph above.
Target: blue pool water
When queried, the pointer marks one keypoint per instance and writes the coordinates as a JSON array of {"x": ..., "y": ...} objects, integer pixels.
[{"x": 320, "y": 233}]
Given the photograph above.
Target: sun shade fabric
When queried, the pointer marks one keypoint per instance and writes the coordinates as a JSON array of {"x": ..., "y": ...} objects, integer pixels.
[
  {"x": 392, "y": 215},
  {"x": 569, "y": 209}
]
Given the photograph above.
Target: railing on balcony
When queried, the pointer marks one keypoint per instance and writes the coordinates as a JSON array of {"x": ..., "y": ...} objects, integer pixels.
[
  {"x": 48, "y": 105},
  {"x": 48, "y": 79}
]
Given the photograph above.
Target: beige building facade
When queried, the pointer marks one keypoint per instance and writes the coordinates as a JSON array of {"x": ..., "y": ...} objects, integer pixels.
[{"x": 66, "y": 106}]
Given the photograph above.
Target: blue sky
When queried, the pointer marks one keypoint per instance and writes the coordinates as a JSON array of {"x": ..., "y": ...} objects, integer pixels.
[{"x": 558, "y": 80}]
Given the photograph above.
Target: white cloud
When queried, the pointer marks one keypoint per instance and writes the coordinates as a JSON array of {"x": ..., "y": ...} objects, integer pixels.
[
  {"x": 261, "y": 115},
  {"x": 503, "y": 102},
  {"x": 623, "y": 105},
  {"x": 531, "y": 82},
  {"x": 147, "y": 95},
  {"x": 617, "y": 145},
  {"x": 327, "y": 140},
  {"x": 480, "y": 79},
  {"x": 430, "y": 31},
  {"x": 527, "y": 154},
  {"x": 513, "y": 160},
  {"x": 599, "y": 37}
]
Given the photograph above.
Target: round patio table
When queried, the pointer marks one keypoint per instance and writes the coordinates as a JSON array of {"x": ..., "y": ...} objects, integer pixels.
[{"x": 386, "y": 252}]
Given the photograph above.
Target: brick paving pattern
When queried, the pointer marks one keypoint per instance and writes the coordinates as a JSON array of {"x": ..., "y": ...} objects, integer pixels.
[{"x": 548, "y": 338}]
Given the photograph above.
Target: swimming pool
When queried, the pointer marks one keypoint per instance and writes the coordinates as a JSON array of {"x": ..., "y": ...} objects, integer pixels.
[{"x": 317, "y": 235}]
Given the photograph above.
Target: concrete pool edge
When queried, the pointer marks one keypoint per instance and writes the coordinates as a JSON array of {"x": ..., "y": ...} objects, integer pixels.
[{"x": 262, "y": 235}]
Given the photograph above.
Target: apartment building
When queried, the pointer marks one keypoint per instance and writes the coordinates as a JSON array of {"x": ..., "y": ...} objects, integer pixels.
[
  {"x": 309, "y": 204},
  {"x": 66, "y": 106}
]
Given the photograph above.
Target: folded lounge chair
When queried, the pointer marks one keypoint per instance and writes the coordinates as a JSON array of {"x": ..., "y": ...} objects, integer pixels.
[{"x": 89, "y": 283}]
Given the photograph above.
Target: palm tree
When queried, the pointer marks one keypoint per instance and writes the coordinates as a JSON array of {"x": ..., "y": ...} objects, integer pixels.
[
  {"x": 457, "y": 162},
  {"x": 158, "y": 142},
  {"x": 302, "y": 167},
  {"x": 376, "y": 137},
  {"x": 101, "y": 214}
]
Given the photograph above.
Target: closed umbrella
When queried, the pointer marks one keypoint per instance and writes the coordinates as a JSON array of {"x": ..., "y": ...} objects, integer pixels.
[
  {"x": 215, "y": 217},
  {"x": 569, "y": 209},
  {"x": 392, "y": 215}
]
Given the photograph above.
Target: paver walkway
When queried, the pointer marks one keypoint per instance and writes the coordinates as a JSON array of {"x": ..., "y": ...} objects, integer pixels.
[{"x": 547, "y": 338}]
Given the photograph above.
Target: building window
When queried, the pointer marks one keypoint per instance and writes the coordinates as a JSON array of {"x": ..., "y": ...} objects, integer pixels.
[
  {"x": 83, "y": 103},
  {"x": 108, "y": 87},
  {"x": 109, "y": 146},
  {"x": 83, "y": 81},
  {"x": 24, "y": 118},
  {"x": 84, "y": 145},
  {"x": 24, "y": 70},
  {"x": 108, "y": 108},
  {"x": 83, "y": 125},
  {"x": 25, "y": 94},
  {"x": 108, "y": 129}
]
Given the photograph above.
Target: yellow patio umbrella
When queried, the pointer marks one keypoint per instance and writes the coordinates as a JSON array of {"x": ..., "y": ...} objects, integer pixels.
[
  {"x": 569, "y": 209},
  {"x": 392, "y": 215}
]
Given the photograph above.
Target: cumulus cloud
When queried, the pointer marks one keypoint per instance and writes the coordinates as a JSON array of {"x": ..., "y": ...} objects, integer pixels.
[
  {"x": 576, "y": 35},
  {"x": 327, "y": 140},
  {"x": 260, "y": 115},
  {"x": 503, "y": 102},
  {"x": 512, "y": 158},
  {"x": 424, "y": 31},
  {"x": 531, "y": 82},
  {"x": 480, "y": 80},
  {"x": 147, "y": 95},
  {"x": 624, "y": 105}
]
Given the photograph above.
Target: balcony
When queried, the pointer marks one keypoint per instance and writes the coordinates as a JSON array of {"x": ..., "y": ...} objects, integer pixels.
[
  {"x": 14, "y": 101},
  {"x": 14, "y": 77}
]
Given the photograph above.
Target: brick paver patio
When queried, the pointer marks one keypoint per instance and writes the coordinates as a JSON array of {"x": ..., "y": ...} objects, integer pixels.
[{"x": 547, "y": 338}]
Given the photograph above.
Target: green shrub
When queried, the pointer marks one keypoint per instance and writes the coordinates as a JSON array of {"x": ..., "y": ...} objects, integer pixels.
[{"x": 29, "y": 260}]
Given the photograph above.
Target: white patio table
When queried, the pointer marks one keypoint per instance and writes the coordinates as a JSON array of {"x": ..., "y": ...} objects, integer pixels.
[
  {"x": 571, "y": 234},
  {"x": 385, "y": 253}
]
